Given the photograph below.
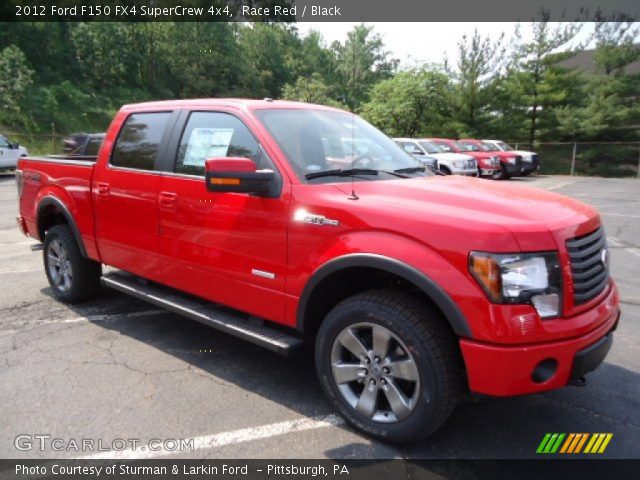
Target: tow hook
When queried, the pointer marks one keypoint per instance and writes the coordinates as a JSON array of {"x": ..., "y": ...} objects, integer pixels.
[{"x": 578, "y": 382}]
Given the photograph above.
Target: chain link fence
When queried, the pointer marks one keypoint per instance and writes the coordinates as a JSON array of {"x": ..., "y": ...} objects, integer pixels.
[{"x": 601, "y": 159}]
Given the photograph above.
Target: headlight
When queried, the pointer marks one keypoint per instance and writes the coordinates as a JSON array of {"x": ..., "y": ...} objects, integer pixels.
[
  {"x": 458, "y": 164},
  {"x": 533, "y": 278}
]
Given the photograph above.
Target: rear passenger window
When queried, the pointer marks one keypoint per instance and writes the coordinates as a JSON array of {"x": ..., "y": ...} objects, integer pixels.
[
  {"x": 139, "y": 140},
  {"x": 93, "y": 147},
  {"x": 214, "y": 134}
]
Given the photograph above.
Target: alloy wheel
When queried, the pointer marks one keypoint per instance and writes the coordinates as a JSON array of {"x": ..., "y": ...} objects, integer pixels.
[
  {"x": 59, "y": 264},
  {"x": 375, "y": 372}
]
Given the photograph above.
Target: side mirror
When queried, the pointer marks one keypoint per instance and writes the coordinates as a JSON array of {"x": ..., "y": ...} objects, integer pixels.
[{"x": 236, "y": 174}]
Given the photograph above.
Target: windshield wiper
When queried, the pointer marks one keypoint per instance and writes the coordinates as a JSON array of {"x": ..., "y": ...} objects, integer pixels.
[
  {"x": 409, "y": 170},
  {"x": 341, "y": 172}
]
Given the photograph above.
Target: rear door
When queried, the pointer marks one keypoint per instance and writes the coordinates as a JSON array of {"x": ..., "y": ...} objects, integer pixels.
[
  {"x": 125, "y": 191},
  {"x": 230, "y": 248}
]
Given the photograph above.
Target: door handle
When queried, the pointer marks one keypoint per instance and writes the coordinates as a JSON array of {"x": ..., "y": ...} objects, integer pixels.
[
  {"x": 168, "y": 201},
  {"x": 102, "y": 189}
]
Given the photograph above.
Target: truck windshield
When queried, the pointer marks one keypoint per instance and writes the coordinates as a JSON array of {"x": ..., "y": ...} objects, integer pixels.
[
  {"x": 431, "y": 147},
  {"x": 317, "y": 141},
  {"x": 471, "y": 146}
]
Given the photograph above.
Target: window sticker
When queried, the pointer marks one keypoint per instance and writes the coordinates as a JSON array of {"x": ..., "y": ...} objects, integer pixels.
[{"x": 207, "y": 143}]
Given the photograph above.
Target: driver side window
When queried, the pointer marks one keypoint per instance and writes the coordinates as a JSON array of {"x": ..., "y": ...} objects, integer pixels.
[
  {"x": 215, "y": 134},
  {"x": 4, "y": 143}
]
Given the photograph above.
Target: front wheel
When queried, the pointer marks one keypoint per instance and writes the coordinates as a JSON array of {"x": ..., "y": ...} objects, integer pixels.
[
  {"x": 72, "y": 277},
  {"x": 501, "y": 174},
  {"x": 389, "y": 365}
]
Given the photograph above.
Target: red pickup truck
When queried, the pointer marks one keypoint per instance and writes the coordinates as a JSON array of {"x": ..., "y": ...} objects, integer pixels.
[
  {"x": 416, "y": 289},
  {"x": 511, "y": 162}
]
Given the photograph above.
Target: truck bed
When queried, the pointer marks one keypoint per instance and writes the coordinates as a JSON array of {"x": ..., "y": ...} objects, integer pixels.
[{"x": 67, "y": 180}]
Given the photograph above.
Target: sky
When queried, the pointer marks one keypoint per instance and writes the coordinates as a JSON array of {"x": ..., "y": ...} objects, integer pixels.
[{"x": 417, "y": 43}]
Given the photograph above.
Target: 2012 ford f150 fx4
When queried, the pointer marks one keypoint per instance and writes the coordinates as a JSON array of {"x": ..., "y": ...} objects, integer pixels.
[{"x": 416, "y": 289}]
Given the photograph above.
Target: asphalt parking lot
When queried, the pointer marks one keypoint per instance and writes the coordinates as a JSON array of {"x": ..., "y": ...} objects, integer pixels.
[{"x": 118, "y": 368}]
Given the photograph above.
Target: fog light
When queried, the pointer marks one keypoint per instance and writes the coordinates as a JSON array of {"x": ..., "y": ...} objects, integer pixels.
[
  {"x": 544, "y": 370},
  {"x": 547, "y": 305}
]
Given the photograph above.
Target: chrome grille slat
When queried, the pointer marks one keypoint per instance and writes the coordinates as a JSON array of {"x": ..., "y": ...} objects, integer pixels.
[{"x": 590, "y": 276}]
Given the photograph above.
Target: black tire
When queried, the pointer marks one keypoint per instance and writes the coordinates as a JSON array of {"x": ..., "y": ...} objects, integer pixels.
[
  {"x": 433, "y": 347},
  {"x": 84, "y": 273},
  {"x": 502, "y": 175},
  {"x": 445, "y": 170}
]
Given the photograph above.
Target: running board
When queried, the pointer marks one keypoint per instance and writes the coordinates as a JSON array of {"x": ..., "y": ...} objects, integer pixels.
[{"x": 237, "y": 324}]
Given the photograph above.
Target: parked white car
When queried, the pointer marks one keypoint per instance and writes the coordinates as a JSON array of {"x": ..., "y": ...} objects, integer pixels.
[
  {"x": 10, "y": 153},
  {"x": 530, "y": 159},
  {"x": 448, "y": 162}
]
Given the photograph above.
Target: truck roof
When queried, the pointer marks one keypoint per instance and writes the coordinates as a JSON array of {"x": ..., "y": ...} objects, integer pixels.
[{"x": 242, "y": 103}]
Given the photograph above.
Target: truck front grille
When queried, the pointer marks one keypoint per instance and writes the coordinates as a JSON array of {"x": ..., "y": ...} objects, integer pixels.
[
  {"x": 471, "y": 164},
  {"x": 589, "y": 265},
  {"x": 519, "y": 161}
]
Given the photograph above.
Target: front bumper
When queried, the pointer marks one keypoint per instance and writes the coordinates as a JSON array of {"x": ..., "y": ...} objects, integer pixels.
[
  {"x": 467, "y": 172},
  {"x": 486, "y": 172},
  {"x": 513, "y": 168},
  {"x": 502, "y": 371}
]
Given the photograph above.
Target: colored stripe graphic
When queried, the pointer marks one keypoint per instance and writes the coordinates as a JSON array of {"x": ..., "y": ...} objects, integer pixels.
[{"x": 573, "y": 443}]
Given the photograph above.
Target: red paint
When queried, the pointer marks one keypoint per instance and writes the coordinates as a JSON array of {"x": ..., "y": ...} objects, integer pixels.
[{"x": 169, "y": 228}]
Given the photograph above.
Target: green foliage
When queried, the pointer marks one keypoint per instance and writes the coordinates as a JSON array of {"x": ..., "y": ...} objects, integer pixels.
[
  {"x": 76, "y": 76},
  {"x": 310, "y": 90},
  {"x": 479, "y": 62},
  {"x": 15, "y": 78},
  {"x": 415, "y": 103},
  {"x": 362, "y": 61}
]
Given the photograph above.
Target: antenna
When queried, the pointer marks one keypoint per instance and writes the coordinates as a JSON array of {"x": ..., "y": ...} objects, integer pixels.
[{"x": 353, "y": 195}]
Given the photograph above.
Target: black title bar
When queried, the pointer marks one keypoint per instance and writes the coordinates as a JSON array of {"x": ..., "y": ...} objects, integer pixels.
[{"x": 314, "y": 10}]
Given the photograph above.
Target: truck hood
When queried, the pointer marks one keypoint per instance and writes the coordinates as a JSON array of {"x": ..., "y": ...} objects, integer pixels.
[
  {"x": 473, "y": 209},
  {"x": 450, "y": 156}
]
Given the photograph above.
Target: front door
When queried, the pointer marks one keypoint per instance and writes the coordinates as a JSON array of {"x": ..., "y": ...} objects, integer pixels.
[{"x": 227, "y": 247}]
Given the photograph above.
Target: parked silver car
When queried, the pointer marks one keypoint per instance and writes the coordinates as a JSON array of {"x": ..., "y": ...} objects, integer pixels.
[{"x": 447, "y": 162}]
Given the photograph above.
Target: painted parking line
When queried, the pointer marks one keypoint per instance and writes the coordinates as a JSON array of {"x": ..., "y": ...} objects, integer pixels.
[
  {"x": 24, "y": 270},
  {"x": 232, "y": 437},
  {"x": 104, "y": 318},
  {"x": 619, "y": 215}
]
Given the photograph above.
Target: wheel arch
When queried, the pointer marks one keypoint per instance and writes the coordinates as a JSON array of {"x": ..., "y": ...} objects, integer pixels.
[
  {"x": 52, "y": 211},
  {"x": 323, "y": 283}
]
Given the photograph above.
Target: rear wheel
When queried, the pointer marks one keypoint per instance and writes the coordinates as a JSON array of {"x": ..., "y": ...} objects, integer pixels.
[
  {"x": 389, "y": 365},
  {"x": 72, "y": 277}
]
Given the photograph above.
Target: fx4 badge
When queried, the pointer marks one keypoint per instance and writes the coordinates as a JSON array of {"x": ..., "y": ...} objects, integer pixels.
[{"x": 302, "y": 215}]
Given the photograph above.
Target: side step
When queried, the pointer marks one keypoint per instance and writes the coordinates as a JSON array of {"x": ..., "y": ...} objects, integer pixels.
[{"x": 236, "y": 324}]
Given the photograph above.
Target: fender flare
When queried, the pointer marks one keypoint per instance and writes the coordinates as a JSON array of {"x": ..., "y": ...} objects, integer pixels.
[
  {"x": 49, "y": 200},
  {"x": 453, "y": 314}
]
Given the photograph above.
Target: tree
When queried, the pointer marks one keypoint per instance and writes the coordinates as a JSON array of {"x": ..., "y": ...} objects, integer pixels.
[
  {"x": 15, "y": 77},
  {"x": 534, "y": 71},
  {"x": 362, "y": 61},
  {"x": 609, "y": 109},
  {"x": 413, "y": 103},
  {"x": 310, "y": 90},
  {"x": 479, "y": 61},
  {"x": 269, "y": 49}
]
